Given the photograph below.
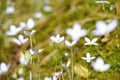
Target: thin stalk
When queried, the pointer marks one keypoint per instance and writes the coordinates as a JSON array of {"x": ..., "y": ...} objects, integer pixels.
[
  {"x": 30, "y": 75},
  {"x": 88, "y": 72},
  {"x": 72, "y": 63},
  {"x": 60, "y": 57},
  {"x": 69, "y": 73},
  {"x": 31, "y": 45}
]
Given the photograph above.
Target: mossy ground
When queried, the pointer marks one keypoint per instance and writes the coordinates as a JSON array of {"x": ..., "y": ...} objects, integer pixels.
[{"x": 86, "y": 12}]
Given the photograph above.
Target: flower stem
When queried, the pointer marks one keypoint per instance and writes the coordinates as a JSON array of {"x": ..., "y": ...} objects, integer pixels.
[
  {"x": 72, "y": 67},
  {"x": 30, "y": 75},
  {"x": 31, "y": 45},
  {"x": 88, "y": 72}
]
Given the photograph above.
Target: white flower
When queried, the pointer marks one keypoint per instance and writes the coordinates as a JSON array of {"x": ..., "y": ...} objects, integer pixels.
[
  {"x": 23, "y": 60},
  {"x": 21, "y": 71},
  {"x": 102, "y": 28},
  {"x": 21, "y": 78},
  {"x": 47, "y": 8},
  {"x": 29, "y": 25},
  {"x": 88, "y": 58},
  {"x": 14, "y": 76},
  {"x": 56, "y": 75},
  {"x": 3, "y": 68},
  {"x": 10, "y": 9},
  {"x": 13, "y": 30},
  {"x": 99, "y": 65},
  {"x": 103, "y": 2},
  {"x": 67, "y": 64},
  {"x": 23, "y": 25},
  {"x": 32, "y": 51},
  {"x": 47, "y": 78},
  {"x": 92, "y": 42},
  {"x": 30, "y": 33},
  {"x": 57, "y": 38},
  {"x": 38, "y": 15},
  {"x": 20, "y": 40},
  {"x": 67, "y": 43},
  {"x": 76, "y": 32}
]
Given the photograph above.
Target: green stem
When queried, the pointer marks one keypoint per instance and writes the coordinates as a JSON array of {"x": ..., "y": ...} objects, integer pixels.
[
  {"x": 72, "y": 62},
  {"x": 88, "y": 72},
  {"x": 30, "y": 75},
  {"x": 31, "y": 45},
  {"x": 69, "y": 73}
]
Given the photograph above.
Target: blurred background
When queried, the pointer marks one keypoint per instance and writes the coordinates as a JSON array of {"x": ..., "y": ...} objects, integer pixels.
[{"x": 53, "y": 17}]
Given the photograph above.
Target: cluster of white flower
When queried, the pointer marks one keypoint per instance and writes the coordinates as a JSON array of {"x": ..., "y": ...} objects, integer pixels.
[
  {"x": 101, "y": 29},
  {"x": 76, "y": 32}
]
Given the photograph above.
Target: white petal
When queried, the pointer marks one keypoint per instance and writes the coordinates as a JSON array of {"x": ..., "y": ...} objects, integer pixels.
[
  {"x": 67, "y": 43},
  {"x": 112, "y": 25},
  {"x": 74, "y": 42},
  {"x": 4, "y": 67},
  {"x": 100, "y": 61},
  {"x": 88, "y": 55},
  {"x": 52, "y": 38},
  {"x": 17, "y": 41},
  {"x": 84, "y": 58},
  {"x": 25, "y": 40},
  {"x": 40, "y": 50},
  {"x": 47, "y": 78},
  {"x": 32, "y": 51},
  {"x": 105, "y": 67},
  {"x": 57, "y": 36},
  {"x": 87, "y": 40},
  {"x": 30, "y": 23},
  {"x": 23, "y": 24},
  {"x": 92, "y": 58},
  {"x": 47, "y": 8},
  {"x": 10, "y": 9},
  {"x": 20, "y": 37},
  {"x": 61, "y": 39},
  {"x": 33, "y": 32},
  {"x": 101, "y": 28},
  {"x": 38, "y": 15},
  {"x": 94, "y": 40},
  {"x": 21, "y": 78},
  {"x": 68, "y": 63},
  {"x": 83, "y": 32}
]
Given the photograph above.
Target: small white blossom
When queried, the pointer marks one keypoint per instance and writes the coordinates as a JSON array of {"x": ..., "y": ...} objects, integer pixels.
[
  {"x": 76, "y": 32},
  {"x": 99, "y": 65},
  {"x": 30, "y": 33},
  {"x": 102, "y": 28},
  {"x": 47, "y": 8},
  {"x": 88, "y": 58},
  {"x": 57, "y": 38},
  {"x": 38, "y": 15},
  {"x": 102, "y": 2},
  {"x": 32, "y": 51},
  {"x": 67, "y": 64},
  {"x": 23, "y": 60},
  {"x": 23, "y": 25},
  {"x": 67, "y": 43},
  {"x": 66, "y": 54},
  {"x": 3, "y": 68},
  {"x": 29, "y": 25},
  {"x": 14, "y": 76},
  {"x": 13, "y": 30},
  {"x": 56, "y": 75},
  {"x": 21, "y": 71},
  {"x": 10, "y": 10},
  {"x": 21, "y": 78},
  {"x": 47, "y": 78},
  {"x": 92, "y": 42},
  {"x": 20, "y": 40}
]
